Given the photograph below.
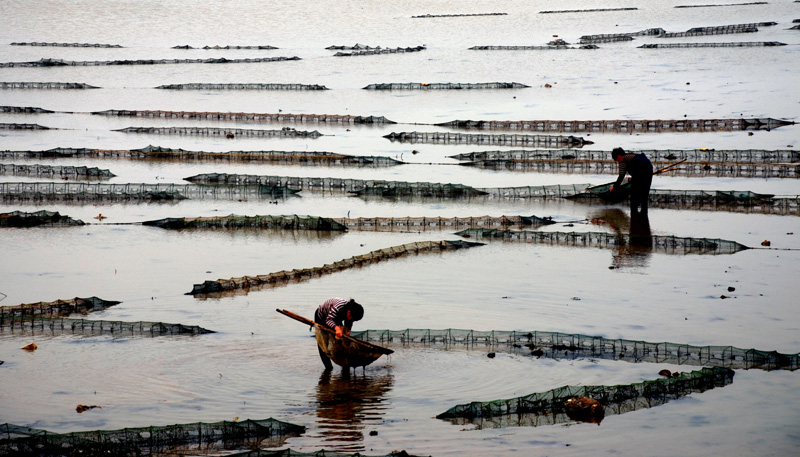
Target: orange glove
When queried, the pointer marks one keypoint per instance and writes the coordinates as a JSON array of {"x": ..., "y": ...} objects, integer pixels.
[
  {"x": 611, "y": 189},
  {"x": 339, "y": 331}
]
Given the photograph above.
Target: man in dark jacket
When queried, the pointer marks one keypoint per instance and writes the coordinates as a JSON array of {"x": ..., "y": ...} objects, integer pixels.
[
  {"x": 641, "y": 170},
  {"x": 338, "y": 315}
]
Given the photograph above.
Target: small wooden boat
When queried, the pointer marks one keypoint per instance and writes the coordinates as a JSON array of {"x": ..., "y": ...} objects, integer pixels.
[{"x": 345, "y": 351}]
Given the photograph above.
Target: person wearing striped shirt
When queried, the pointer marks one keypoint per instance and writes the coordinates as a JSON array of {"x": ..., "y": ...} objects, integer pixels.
[
  {"x": 338, "y": 315},
  {"x": 641, "y": 170}
]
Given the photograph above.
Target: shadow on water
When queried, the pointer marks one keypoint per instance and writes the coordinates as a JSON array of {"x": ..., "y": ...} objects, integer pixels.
[
  {"x": 633, "y": 251},
  {"x": 346, "y": 403}
]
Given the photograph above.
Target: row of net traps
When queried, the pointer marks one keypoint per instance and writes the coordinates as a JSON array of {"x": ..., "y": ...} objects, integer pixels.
[
  {"x": 51, "y": 318},
  {"x": 661, "y": 33},
  {"x": 570, "y": 346},
  {"x": 296, "y": 275},
  {"x": 256, "y": 117},
  {"x": 189, "y": 86},
  {"x": 52, "y": 171},
  {"x": 132, "y": 191},
  {"x": 95, "y": 63}
]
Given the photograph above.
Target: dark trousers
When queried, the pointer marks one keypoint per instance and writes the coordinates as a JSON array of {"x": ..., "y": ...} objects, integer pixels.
[
  {"x": 325, "y": 359},
  {"x": 641, "y": 171}
]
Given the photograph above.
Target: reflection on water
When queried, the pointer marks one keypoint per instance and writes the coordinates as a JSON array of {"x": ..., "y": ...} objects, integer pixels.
[
  {"x": 346, "y": 403},
  {"x": 636, "y": 252}
]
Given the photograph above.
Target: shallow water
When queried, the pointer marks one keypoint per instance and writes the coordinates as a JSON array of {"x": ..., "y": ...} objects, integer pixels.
[{"x": 260, "y": 364}]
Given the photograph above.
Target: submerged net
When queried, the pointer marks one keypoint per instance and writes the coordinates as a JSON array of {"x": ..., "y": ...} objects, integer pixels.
[
  {"x": 20, "y": 219},
  {"x": 539, "y": 141},
  {"x": 216, "y": 131},
  {"x": 444, "y": 86},
  {"x": 285, "y": 276},
  {"x": 96, "y": 63},
  {"x": 44, "y": 85},
  {"x": 242, "y": 86},
  {"x": 59, "y": 326},
  {"x": 293, "y": 222},
  {"x": 58, "y": 308},
  {"x": 161, "y": 153},
  {"x": 54, "y": 171},
  {"x": 664, "y": 244},
  {"x": 624, "y": 125},
  {"x": 201, "y": 437},
  {"x": 253, "y": 117},
  {"x": 551, "y": 406},
  {"x": 568, "y": 346},
  {"x": 71, "y": 191}
]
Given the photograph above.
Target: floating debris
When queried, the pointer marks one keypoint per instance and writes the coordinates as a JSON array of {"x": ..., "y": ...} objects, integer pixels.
[
  {"x": 591, "y": 10},
  {"x": 426, "y": 16},
  {"x": 493, "y": 139},
  {"x": 241, "y": 86},
  {"x": 253, "y": 117},
  {"x": 96, "y": 63},
  {"x": 73, "y": 191},
  {"x": 444, "y": 86},
  {"x": 285, "y": 132},
  {"x": 263, "y": 47},
  {"x": 624, "y": 125},
  {"x": 293, "y": 222},
  {"x": 83, "y": 408},
  {"x": 45, "y": 85},
  {"x": 30, "y": 347},
  {"x": 24, "y": 109},
  {"x": 569, "y": 346},
  {"x": 665, "y": 244},
  {"x": 161, "y": 153},
  {"x": 61, "y": 325},
  {"x": 52, "y": 171},
  {"x": 731, "y": 44},
  {"x": 4, "y": 126},
  {"x": 557, "y": 406},
  {"x": 20, "y": 219},
  {"x": 379, "y": 50},
  {"x": 153, "y": 440},
  {"x": 283, "y": 277},
  {"x": 67, "y": 45}
]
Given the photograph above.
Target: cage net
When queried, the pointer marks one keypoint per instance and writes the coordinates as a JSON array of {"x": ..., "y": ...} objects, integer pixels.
[
  {"x": 73, "y": 191},
  {"x": 241, "y": 86},
  {"x": 538, "y": 141},
  {"x": 47, "y": 62},
  {"x": 216, "y": 131},
  {"x": 440, "y": 223},
  {"x": 58, "y": 308},
  {"x": 32, "y": 325},
  {"x": 736, "y": 44},
  {"x": 16, "y": 126},
  {"x": 37, "y": 219},
  {"x": 665, "y": 244},
  {"x": 200, "y": 437},
  {"x": 550, "y": 407},
  {"x": 285, "y": 276},
  {"x": 253, "y": 117},
  {"x": 559, "y": 345},
  {"x": 44, "y": 85},
  {"x": 24, "y": 110},
  {"x": 737, "y": 156},
  {"x": 53, "y": 171},
  {"x": 622, "y": 125},
  {"x": 162, "y": 154},
  {"x": 444, "y": 86},
  {"x": 292, "y": 222}
]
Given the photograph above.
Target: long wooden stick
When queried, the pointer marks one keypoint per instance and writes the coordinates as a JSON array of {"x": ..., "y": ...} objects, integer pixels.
[{"x": 304, "y": 320}]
